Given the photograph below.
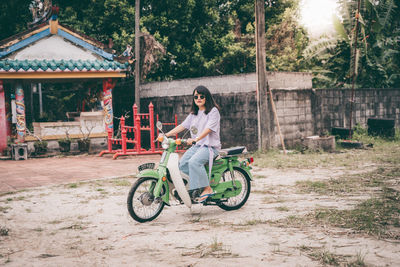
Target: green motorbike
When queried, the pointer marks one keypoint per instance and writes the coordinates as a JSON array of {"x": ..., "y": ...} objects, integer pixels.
[{"x": 230, "y": 180}]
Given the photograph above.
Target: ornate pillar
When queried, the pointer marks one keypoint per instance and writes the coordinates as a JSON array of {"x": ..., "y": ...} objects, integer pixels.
[
  {"x": 3, "y": 119},
  {"x": 20, "y": 108},
  {"x": 108, "y": 85}
]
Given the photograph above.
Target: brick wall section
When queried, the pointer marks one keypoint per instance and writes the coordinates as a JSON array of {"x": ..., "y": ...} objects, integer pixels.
[{"x": 301, "y": 111}]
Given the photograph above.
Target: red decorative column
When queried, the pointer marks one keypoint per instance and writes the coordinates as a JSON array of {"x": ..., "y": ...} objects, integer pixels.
[
  {"x": 136, "y": 118},
  {"x": 3, "y": 119},
  {"x": 108, "y": 85},
  {"x": 151, "y": 114},
  {"x": 20, "y": 103}
]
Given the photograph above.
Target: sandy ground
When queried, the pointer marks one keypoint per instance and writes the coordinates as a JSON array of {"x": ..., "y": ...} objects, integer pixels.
[{"x": 87, "y": 224}]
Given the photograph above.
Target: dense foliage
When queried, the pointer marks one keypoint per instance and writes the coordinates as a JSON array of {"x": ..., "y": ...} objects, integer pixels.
[
  {"x": 201, "y": 37},
  {"x": 214, "y": 37},
  {"x": 377, "y": 63}
]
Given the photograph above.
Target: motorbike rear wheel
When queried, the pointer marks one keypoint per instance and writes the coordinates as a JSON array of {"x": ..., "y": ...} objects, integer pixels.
[
  {"x": 236, "y": 202},
  {"x": 141, "y": 203}
]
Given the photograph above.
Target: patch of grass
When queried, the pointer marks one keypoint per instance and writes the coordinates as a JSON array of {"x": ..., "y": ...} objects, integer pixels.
[
  {"x": 55, "y": 222},
  {"x": 359, "y": 261},
  {"x": 282, "y": 208},
  {"x": 328, "y": 258},
  {"x": 12, "y": 192},
  {"x": 121, "y": 183},
  {"x": 374, "y": 216},
  {"x": 312, "y": 186},
  {"x": 348, "y": 183},
  {"x": 215, "y": 249},
  {"x": 378, "y": 216},
  {"x": 263, "y": 191},
  {"x": 76, "y": 226},
  {"x": 382, "y": 151},
  {"x": 195, "y": 219},
  {"x": 269, "y": 200},
  {"x": 252, "y": 222},
  {"x": 4, "y": 209},
  {"x": 325, "y": 257},
  {"x": 214, "y": 222},
  {"x": 73, "y": 185}
]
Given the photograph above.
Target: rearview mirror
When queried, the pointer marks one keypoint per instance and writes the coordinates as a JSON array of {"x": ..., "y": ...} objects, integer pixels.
[{"x": 159, "y": 125}]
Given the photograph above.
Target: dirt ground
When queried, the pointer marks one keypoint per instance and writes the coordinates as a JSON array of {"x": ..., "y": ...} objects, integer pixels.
[{"x": 87, "y": 224}]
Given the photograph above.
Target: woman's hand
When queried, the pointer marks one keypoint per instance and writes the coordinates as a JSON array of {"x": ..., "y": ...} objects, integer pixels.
[{"x": 190, "y": 141}]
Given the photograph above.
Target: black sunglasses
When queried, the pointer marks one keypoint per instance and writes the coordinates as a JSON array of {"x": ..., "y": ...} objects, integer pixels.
[{"x": 199, "y": 96}]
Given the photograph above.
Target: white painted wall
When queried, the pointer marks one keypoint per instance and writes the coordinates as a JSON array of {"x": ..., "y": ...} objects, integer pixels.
[{"x": 54, "y": 47}]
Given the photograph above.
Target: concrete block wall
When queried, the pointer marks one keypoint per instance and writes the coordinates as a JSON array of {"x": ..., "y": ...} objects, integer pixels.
[
  {"x": 227, "y": 84},
  {"x": 293, "y": 108},
  {"x": 302, "y": 111},
  {"x": 332, "y": 106}
]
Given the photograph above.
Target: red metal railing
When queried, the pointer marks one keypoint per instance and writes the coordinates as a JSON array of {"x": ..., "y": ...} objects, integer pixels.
[{"x": 143, "y": 122}]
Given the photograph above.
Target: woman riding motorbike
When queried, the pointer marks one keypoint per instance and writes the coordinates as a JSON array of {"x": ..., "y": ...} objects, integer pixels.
[{"x": 206, "y": 118}]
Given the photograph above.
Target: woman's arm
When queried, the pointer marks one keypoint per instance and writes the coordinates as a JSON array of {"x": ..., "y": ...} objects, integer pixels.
[
  {"x": 175, "y": 131},
  {"x": 201, "y": 136}
]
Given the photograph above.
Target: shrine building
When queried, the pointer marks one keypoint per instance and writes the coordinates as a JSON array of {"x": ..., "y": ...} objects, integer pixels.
[{"x": 43, "y": 57}]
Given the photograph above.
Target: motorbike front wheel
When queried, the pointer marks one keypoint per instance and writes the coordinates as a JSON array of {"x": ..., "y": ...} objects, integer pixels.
[
  {"x": 236, "y": 202},
  {"x": 142, "y": 205}
]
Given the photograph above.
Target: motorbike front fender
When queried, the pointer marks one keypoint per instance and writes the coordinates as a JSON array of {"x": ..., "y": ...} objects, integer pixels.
[
  {"x": 157, "y": 190},
  {"x": 149, "y": 173}
]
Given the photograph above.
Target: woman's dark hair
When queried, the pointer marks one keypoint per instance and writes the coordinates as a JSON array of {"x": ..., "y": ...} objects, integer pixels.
[{"x": 210, "y": 102}]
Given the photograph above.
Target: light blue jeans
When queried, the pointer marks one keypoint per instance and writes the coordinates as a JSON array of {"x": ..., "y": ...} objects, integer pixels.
[{"x": 192, "y": 164}]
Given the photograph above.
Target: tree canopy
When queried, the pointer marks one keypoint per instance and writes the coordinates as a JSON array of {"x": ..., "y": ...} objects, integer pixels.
[{"x": 215, "y": 37}]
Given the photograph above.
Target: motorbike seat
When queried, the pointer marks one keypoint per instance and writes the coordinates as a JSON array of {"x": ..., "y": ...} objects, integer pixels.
[{"x": 232, "y": 151}]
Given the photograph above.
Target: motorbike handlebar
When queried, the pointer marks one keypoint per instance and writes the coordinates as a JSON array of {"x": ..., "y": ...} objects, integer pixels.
[{"x": 181, "y": 140}]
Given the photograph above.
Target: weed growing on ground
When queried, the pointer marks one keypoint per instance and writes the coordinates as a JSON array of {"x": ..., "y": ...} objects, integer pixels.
[
  {"x": 4, "y": 231},
  {"x": 374, "y": 216},
  {"x": 328, "y": 258},
  {"x": 215, "y": 249},
  {"x": 269, "y": 200},
  {"x": 4, "y": 209},
  {"x": 121, "y": 183},
  {"x": 282, "y": 208},
  {"x": 251, "y": 222},
  {"x": 73, "y": 185},
  {"x": 325, "y": 257},
  {"x": 55, "y": 222}
]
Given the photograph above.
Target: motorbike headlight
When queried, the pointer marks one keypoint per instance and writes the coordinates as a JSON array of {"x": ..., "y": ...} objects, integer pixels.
[{"x": 165, "y": 143}]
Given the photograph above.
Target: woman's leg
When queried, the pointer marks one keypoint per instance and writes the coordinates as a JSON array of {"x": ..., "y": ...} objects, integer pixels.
[
  {"x": 197, "y": 172},
  {"x": 184, "y": 161}
]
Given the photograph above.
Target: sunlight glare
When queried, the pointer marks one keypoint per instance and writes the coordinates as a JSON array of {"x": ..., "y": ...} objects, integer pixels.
[{"x": 316, "y": 16}]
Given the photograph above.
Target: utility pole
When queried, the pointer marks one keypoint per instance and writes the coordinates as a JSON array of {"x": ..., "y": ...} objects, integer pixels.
[
  {"x": 263, "y": 112},
  {"x": 137, "y": 54}
]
